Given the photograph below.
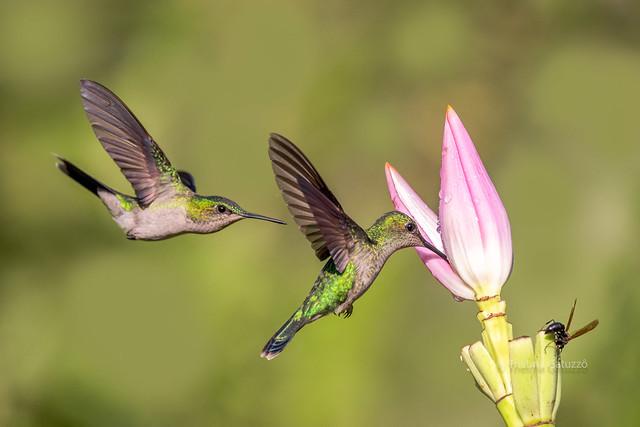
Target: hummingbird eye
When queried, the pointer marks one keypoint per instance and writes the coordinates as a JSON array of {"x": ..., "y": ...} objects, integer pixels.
[
  {"x": 410, "y": 227},
  {"x": 221, "y": 208}
]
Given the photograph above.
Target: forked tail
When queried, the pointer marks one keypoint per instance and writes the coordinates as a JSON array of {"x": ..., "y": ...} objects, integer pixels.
[
  {"x": 283, "y": 336},
  {"x": 82, "y": 178}
]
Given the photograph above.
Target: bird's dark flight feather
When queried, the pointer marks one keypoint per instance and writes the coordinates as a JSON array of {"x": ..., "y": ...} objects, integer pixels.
[
  {"x": 82, "y": 177},
  {"x": 299, "y": 164},
  {"x": 141, "y": 160},
  {"x": 313, "y": 206},
  {"x": 188, "y": 180}
]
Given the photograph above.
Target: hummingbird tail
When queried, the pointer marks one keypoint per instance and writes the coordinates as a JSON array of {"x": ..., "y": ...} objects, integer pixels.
[
  {"x": 82, "y": 178},
  {"x": 282, "y": 337}
]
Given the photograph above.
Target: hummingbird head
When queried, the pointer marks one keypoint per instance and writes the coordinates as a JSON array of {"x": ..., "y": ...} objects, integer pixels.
[
  {"x": 221, "y": 212},
  {"x": 396, "y": 230}
]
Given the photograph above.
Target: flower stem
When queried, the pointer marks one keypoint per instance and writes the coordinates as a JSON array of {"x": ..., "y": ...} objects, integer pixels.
[
  {"x": 496, "y": 335},
  {"x": 507, "y": 409},
  {"x": 546, "y": 354},
  {"x": 522, "y": 379}
]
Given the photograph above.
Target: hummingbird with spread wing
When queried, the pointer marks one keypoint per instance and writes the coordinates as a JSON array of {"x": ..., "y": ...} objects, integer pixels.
[
  {"x": 165, "y": 203},
  {"x": 355, "y": 255}
]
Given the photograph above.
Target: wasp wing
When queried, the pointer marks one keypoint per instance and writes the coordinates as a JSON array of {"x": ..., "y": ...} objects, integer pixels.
[{"x": 591, "y": 326}]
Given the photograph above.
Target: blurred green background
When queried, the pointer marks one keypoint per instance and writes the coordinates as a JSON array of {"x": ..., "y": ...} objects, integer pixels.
[{"x": 96, "y": 330}]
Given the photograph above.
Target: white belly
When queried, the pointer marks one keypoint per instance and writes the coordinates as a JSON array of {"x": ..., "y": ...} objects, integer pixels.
[{"x": 154, "y": 224}]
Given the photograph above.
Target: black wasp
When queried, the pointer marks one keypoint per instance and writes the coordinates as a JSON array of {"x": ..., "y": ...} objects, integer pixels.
[{"x": 561, "y": 334}]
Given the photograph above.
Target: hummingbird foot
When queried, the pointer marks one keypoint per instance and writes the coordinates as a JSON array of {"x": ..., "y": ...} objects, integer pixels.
[{"x": 346, "y": 312}]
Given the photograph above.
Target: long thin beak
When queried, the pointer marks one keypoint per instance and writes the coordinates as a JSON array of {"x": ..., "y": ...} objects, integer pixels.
[
  {"x": 262, "y": 217},
  {"x": 434, "y": 249}
]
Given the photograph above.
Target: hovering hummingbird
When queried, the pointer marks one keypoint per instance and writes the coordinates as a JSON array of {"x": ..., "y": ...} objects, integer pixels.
[
  {"x": 166, "y": 203},
  {"x": 356, "y": 256}
]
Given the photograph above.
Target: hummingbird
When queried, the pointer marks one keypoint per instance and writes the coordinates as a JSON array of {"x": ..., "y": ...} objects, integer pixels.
[
  {"x": 355, "y": 255},
  {"x": 165, "y": 203}
]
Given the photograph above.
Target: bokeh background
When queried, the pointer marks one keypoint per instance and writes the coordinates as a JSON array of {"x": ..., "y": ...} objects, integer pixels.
[{"x": 96, "y": 330}]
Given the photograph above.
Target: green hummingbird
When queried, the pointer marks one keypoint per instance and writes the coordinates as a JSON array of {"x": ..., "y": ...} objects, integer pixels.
[
  {"x": 165, "y": 203},
  {"x": 356, "y": 256}
]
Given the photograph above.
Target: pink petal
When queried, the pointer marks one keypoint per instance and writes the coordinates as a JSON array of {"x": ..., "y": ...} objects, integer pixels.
[
  {"x": 406, "y": 200},
  {"x": 475, "y": 227}
]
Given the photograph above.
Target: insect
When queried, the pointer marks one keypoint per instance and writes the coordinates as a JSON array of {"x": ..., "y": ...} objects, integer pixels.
[{"x": 561, "y": 334}]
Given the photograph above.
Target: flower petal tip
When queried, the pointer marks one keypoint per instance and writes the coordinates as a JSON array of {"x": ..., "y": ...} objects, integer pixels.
[
  {"x": 388, "y": 168},
  {"x": 453, "y": 120}
]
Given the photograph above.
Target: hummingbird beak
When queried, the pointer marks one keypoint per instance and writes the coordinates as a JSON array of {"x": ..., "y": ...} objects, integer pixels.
[
  {"x": 433, "y": 249},
  {"x": 261, "y": 217}
]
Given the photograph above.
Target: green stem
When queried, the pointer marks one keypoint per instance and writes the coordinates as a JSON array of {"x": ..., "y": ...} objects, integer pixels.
[
  {"x": 526, "y": 394},
  {"x": 524, "y": 380},
  {"x": 507, "y": 409},
  {"x": 546, "y": 355},
  {"x": 496, "y": 335}
]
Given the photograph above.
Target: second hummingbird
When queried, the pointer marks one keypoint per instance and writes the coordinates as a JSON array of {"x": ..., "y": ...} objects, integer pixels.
[
  {"x": 356, "y": 256},
  {"x": 166, "y": 203}
]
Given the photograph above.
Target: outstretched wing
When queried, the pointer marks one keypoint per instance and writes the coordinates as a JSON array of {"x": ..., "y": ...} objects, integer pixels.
[
  {"x": 313, "y": 206},
  {"x": 573, "y": 309},
  {"x": 590, "y": 327},
  {"x": 141, "y": 160}
]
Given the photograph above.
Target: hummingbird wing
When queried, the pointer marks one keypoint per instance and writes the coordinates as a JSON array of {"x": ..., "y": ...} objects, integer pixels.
[
  {"x": 315, "y": 209},
  {"x": 188, "y": 180},
  {"x": 127, "y": 142}
]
